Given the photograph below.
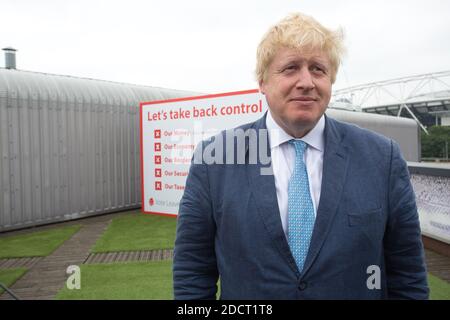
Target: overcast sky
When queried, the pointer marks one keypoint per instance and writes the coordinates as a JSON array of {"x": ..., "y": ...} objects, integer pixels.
[{"x": 209, "y": 46}]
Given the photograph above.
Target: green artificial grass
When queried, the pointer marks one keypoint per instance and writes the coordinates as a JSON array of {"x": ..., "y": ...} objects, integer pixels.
[
  {"x": 153, "y": 280},
  {"x": 127, "y": 281},
  {"x": 35, "y": 244},
  {"x": 439, "y": 289},
  {"x": 9, "y": 276},
  {"x": 137, "y": 231}
]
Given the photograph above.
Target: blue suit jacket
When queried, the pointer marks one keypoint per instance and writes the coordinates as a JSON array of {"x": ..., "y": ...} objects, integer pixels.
[{"x": 229, "y": 225}]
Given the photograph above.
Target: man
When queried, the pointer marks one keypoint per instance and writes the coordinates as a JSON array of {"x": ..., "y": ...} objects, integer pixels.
[{"x": 337, "y": 219}]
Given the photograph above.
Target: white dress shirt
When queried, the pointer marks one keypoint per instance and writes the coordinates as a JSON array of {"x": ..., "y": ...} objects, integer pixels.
[{"x": 283, "y": 161}]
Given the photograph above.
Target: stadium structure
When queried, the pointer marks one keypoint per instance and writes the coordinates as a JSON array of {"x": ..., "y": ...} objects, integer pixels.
[{"x": 424, "y": 98}]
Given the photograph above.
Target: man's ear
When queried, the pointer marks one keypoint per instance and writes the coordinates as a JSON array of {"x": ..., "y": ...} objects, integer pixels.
[{"x": 262, "y": 87}]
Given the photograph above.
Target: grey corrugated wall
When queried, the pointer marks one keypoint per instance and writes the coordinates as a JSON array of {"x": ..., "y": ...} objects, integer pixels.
[
  {"x": 69, "y": 147},
  {"x": 406, "y": 132}
]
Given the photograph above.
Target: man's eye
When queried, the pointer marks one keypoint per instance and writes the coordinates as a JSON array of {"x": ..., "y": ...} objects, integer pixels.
[
  {"x": 318, "y": 69},
  {"x": 290, "y": 68}
]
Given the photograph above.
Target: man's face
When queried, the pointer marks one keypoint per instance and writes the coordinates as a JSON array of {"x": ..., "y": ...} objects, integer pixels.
[{"x": 298, "y": 89}]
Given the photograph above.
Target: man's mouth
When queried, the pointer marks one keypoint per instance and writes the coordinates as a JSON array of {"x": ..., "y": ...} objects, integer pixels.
[{"x": 303, "y": 99}]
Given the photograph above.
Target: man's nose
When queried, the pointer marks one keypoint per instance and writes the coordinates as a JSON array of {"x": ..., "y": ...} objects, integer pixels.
[{"x": 305, "y": 79}]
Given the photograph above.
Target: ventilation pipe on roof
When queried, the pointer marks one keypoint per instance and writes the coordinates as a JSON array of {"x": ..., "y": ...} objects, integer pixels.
[{"x": 10, "y": 58}]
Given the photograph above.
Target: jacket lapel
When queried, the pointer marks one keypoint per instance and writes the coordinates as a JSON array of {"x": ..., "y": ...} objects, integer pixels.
[
  {"x": 335, "y": 164},
  {"x": 264, "y": 194},
  {"x": 262, "y": 188}
]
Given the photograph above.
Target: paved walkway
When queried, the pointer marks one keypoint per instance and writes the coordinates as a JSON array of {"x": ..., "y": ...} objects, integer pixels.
[
  {"x": 438, "y": 265},
  {"x": 125, "y": 256},
  {"x": 47, "y": 275}
]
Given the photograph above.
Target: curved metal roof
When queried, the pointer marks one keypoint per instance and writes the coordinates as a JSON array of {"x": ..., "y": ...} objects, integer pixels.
[{"x": 43, "y": 86}]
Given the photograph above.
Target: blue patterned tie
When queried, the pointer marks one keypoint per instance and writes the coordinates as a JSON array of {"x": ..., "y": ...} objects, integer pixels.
[{"x": 300, "y": 207}]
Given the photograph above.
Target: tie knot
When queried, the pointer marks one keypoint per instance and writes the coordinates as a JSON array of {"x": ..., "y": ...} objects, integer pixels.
[{"x": 299, "y": 146}]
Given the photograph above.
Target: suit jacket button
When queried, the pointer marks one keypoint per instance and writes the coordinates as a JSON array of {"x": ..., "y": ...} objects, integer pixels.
[{"x": 302, "y": 285}]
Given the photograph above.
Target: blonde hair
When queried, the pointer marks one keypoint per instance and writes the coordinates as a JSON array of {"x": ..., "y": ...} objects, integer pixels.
[{"x": 299, "y": 31}]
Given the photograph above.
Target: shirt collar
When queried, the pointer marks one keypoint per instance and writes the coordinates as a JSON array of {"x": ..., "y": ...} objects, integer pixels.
[{"x": 277, "y": 136}]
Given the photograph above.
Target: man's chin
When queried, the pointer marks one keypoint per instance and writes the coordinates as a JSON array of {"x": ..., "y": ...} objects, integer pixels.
[
  {"x": 300, "y": 127},
  {"x": 305, "y": 121}
]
